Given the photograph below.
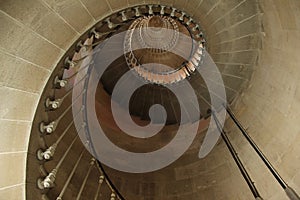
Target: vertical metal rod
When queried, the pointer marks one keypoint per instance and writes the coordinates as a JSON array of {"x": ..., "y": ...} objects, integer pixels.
[
  {"x": 109, "y": 182},
  {"x": 101, "y": 179},
  {"x": 82, "y": 67},
  {"x": 51, "y": 127},
  {"x": 85, "y": 179},
  {"x": 49, "y": 180},
  {"x": 70, "y": 106},
  {"x": 66, "y": 153},
  {"x": 49, "y": 152},
  {"x": 237, "y": 159},
  {"x": 289, "y": 191},
  {"x": 66, "y": 130},
  {"x": 70, "y": 176}
]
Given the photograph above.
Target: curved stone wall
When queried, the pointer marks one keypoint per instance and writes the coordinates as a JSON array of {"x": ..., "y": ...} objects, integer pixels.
[
  {"x": 36, "y": 33},
  {"x": 269, "y": 108}
]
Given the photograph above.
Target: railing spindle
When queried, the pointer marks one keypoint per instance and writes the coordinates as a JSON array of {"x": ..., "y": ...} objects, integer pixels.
[
  {"x": 51, "y": 127},
  {"x": 50, "y": 151},
  {"x": 49, "y": 180},
  {"x": 70, "y": 176},
  {"x": 137, "y": 12},
  {"x": 101, "y": 179},
  {"x": 92, "y": 163}
]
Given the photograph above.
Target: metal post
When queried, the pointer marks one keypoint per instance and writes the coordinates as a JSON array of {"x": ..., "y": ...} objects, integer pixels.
[
  {"x": 49, "y": 180},
  {"x": 109, "y": 182},
  {"x": 237, "y": 159},
  {"x": 101, "y": 179},
  {"x": 86, "y": 178},
  {"x": 289, "y": 191},
  {"x": 70, "y": 176}
]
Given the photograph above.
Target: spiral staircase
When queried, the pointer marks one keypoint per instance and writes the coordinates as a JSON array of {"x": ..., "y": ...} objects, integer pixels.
[
  {"x": 58, "y": 154},
  {"x": 60, "y": 164}
]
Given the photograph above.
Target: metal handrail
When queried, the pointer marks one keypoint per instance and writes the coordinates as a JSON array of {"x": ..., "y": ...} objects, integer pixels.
[
  {"x": 289, "y": 191},
  {"x": 237, "y": 160}
]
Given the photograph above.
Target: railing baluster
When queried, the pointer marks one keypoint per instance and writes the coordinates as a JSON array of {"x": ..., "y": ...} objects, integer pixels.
[
  {"x": 150, "y": 11},
  {"x": 50, "y": 151},
  {"x": 80, "y": 46},
  {"x": 199, "y": 35},
  {"x": 137, "y": 12},
  {"x": 124, "y": 17},
  {"x": 107, "y": 181},
  {"x": 69, "y": 63},
  {"x": 63, "y": 82},
  {"x": 162, "y": 11},
  {"x": 101, "y": 42},
  {"x": 49, "y": 180},
  {"x": 86, "y": 178},
  {"x": 203, "y": 41},
  {"x": 95, "y": 33},
  {"x": 113, "y": 196},
  {"x": 81, "y": 68},
  {"x": 189, "y": 22},
  {"x": 195, "y": 28},
  {"x": 70, "y": 176},
  {"x": 51, "y": 127},
  {"x": 110, "y": 24},
  {"x": 59, "y": 83},
  {"x": 101, "y": 179},
  {"x": 181, "y": 18},
  {"x": 55, "y": 104},
  {"x": 173, "y": 12}
]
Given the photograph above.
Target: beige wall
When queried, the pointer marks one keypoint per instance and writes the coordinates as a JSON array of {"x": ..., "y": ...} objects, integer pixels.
[
  {"x": 270, "y": 107},
  {"x": 34, "y": 34}
]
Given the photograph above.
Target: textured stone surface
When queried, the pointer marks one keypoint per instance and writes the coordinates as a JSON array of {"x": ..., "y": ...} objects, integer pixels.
[
  {"x": 14, "y": 136},
  {"x": 38, "y": 17},
  {"x": 269, "y": 107},
  {"x": 16, "y": 73},
  {"x": 118, "y": 4},
  {"x": 73, "y": 12},
  {"x": 19, "y": 105},
  {"x": 97, "y": 8},
  {"x": 25, "y": 43},
  {"x": 34, "y": 34},
  {"x": 13, "y": 164},
  {"x": 15, "y": 192}
]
